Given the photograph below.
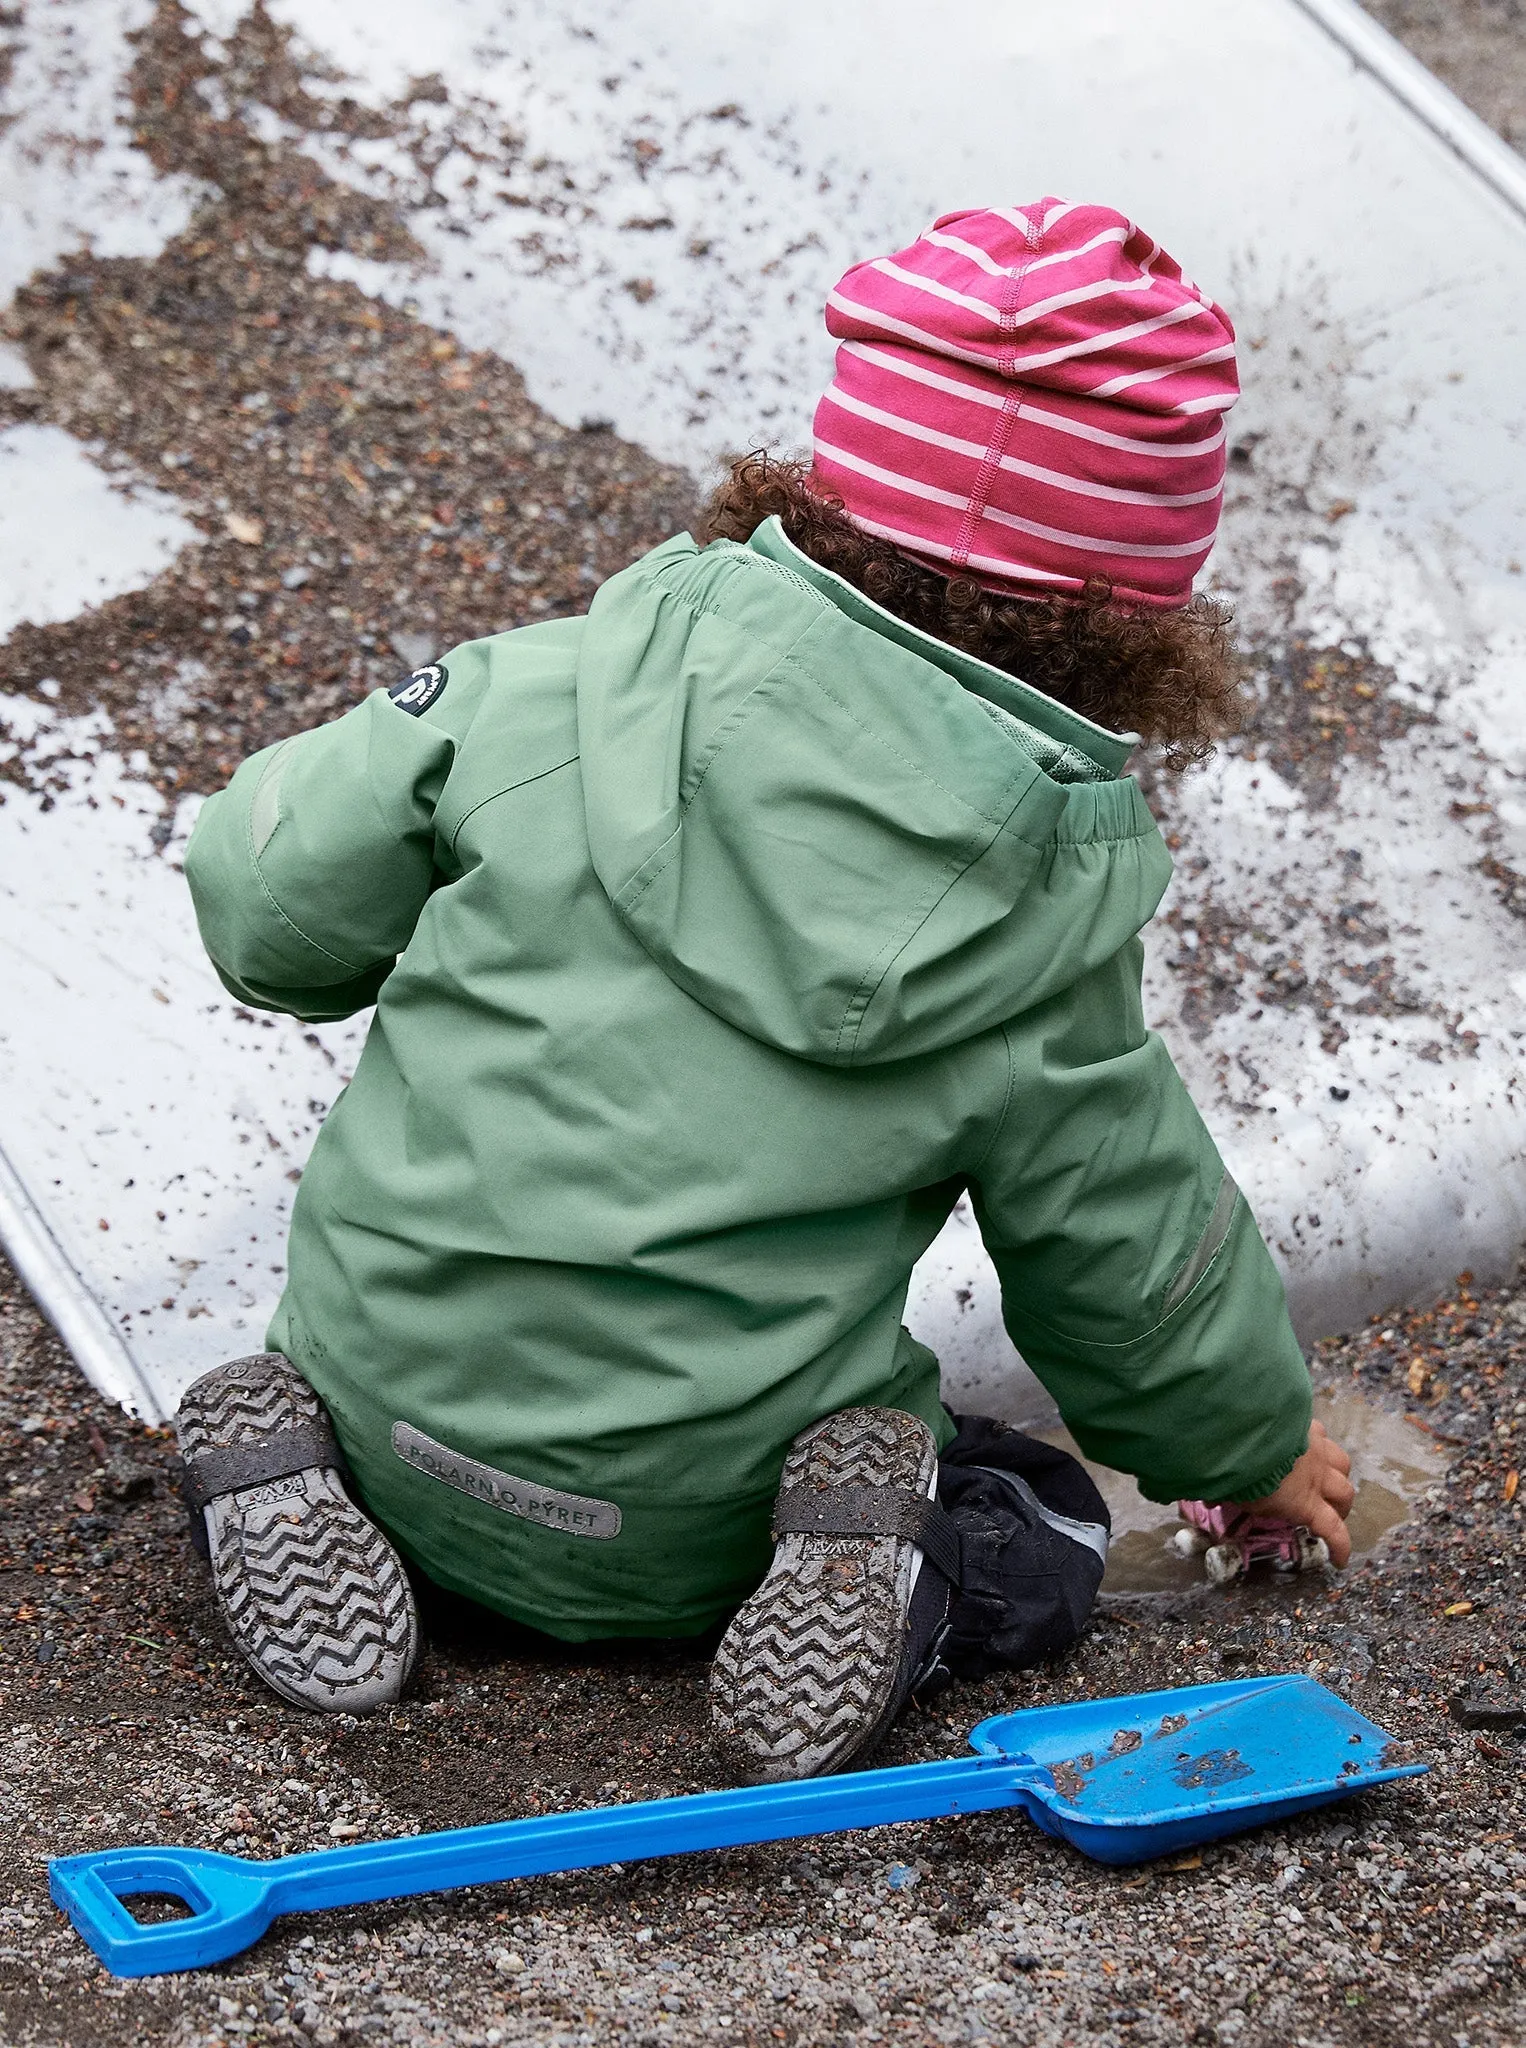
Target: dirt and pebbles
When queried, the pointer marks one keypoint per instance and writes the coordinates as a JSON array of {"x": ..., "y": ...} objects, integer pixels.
[
  {"x": 367, "y": 492},
  {"x": 1399, "y": 1917}
]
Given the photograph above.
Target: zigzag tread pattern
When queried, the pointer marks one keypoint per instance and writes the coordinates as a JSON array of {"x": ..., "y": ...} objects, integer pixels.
[
  {"x": 315, "y": 1586},
  {"x": 241, "y": 1402},
  {"x": 314, "y": 1595},
  {"x": 805, "y": 1674}
]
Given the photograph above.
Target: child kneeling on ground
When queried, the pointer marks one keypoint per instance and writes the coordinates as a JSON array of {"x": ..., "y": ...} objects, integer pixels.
[{"x": 719, "y": 940}]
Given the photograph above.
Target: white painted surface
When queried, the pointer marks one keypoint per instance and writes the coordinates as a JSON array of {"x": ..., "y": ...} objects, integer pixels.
[
  {"x": 68, "y": 538},
  {"x": 1370, "y": 45},
  {"x": 15, "y": 371},
  {"x": 69, "y": 175},
  {"x": 156, "y": 1125},
  {"x": 1380, "y": 287}
]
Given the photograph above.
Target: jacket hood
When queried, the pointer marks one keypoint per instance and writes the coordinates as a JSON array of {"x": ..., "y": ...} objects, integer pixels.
[{"x": 844, "y": 837}]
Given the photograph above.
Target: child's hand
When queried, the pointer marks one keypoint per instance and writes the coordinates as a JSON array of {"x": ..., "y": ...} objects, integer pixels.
[{"x": 1317, "y": 1493}]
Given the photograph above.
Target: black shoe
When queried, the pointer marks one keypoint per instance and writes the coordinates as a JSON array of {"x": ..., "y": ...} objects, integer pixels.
[
  {"x": 818, "y": 1663},
  {"x": 313, "y": 1594},
  {"x": 1034, "y": 1533}
]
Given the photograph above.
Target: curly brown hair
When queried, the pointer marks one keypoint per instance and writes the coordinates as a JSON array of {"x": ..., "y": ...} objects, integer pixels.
[{"x": 1170, "y": 676}]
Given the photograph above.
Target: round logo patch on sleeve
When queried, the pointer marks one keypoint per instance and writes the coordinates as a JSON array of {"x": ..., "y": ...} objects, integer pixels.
[{"x": 415, "y": 693}]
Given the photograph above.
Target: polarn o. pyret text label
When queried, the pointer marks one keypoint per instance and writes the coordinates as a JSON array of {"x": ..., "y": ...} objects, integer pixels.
[{"x": 572, "y": 1514}]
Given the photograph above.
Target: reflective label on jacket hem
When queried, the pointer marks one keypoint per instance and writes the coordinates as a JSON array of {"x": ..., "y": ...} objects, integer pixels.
[{"x": 572, "y": 1514}]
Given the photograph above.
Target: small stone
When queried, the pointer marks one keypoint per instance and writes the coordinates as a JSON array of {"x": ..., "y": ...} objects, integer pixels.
[
  {"x": 126, "y": 1479},
  {"x": 1473, "y": 1710},
  {"x": 414, "y": 648}
]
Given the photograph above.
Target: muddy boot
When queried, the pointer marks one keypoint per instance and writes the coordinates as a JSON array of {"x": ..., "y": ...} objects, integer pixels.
[
  {"x": 818, "y": 1663},
  {"x": 314, "y": 1595}
]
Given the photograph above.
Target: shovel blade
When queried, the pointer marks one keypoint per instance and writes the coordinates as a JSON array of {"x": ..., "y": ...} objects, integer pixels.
[{"x": 1146, "y": 1774}]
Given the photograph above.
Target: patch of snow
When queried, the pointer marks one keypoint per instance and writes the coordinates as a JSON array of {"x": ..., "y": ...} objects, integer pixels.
[
  {"x": 70, "y": 175},
  {"x": 158, "y": 1125},
  {"x": 15, "y": 371},
  {"x": 218, "y": 19},
  {"x": 626, "y": 208},
  {"x": 1492, "y": 703},
  {"x": 70, "y": 538},
  {"x": 1390, "y": 1155}
]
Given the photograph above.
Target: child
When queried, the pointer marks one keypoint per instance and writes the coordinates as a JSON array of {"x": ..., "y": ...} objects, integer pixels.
[{"x": 719, "y": 939}]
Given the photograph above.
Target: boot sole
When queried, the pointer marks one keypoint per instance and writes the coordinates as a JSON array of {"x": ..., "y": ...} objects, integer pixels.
[
  {"x": 314, "y": 1596},
  {"x": 808, "y": 1673}
]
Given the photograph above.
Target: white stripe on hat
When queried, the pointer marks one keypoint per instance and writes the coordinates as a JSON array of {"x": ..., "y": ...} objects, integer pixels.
[
  {"x": 914, "y": 487},
  {"x": 977, "y": 394},
  {"x": 919, "y": 544},
  {"x": 936, "y": 289},
  {"x": 1109, "y": 338},
  {"x": 1172, "y": 551},
  {"x": 1009, "y": 322},
  {"x": 1223, "y": 354},
  {"x": 992, "y": 268},
  {"x": 1218, "y": 402},
  {"x": 938, "y": 344},
  {"x": 978, "y": 451},
  {"x": 1031, "y": 228}
]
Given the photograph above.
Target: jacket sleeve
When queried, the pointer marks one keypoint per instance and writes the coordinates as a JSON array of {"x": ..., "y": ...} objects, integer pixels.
[
  {"x": 1134, "y": 1280},
  {"x": 309, "y": 871}
]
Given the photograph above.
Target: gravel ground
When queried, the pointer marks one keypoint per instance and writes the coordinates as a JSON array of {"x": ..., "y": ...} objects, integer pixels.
[
  {"x": 368, "y": 493},
  {"x": 1399, "y": 1917}
]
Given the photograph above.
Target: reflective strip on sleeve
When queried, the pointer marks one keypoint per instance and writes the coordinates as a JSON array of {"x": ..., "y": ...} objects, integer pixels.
[{"x": 1207, "y": 1249}]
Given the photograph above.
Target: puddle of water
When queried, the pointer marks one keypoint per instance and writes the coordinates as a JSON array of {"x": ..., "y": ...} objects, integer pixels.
[{"x": 1392, "y": 1463}]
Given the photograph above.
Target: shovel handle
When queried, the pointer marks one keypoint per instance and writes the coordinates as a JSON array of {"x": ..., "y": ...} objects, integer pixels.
[
  {"x": 229, "y": 1903},
  {"x": 232, "y": 1901}
]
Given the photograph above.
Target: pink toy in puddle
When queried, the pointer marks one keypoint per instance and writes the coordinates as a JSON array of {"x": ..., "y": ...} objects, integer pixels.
[{"x": 1231, "y": 1539}]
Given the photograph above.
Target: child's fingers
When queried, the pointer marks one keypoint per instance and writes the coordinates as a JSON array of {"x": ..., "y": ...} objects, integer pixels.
[
  {"x": 1320, "y": 1440},
  {"x": 1324, "y": 1521},
  {"x": 1339, "y": 1491}
]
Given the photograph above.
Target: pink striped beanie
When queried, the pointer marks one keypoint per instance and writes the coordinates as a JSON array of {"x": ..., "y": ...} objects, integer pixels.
[{"x": 1032, "y": 396}]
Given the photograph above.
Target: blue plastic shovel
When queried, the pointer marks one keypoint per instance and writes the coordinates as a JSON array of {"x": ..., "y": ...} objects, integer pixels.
[{"x": 1122, "y": 1779}]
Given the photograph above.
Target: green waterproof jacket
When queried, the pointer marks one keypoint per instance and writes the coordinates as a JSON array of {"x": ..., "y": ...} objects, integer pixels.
[{"x": 718, "y": 940}]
